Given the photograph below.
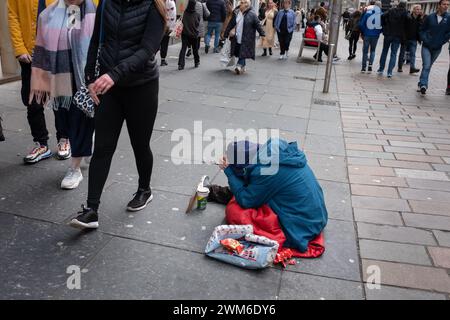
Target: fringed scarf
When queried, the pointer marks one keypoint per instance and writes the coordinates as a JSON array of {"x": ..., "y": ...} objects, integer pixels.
[{"x": 59, "y": 57}]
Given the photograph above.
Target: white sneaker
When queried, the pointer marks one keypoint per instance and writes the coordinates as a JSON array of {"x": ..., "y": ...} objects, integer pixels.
[
  {"x": 64, "y": 151},
  {"x": 286, "y": 55},
  {"x": 72, "y": 179},
  {"x": 281, "y": 57}
]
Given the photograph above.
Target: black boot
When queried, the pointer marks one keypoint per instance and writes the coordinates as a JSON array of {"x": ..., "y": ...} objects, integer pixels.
[
  {"x": 2, "y": 137},
  {"x": 264, "y": 53},
  {"x": 270, "y": 51}
]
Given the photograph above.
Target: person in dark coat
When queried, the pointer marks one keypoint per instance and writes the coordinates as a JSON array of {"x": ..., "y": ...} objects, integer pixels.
[
  {"x": 245, "y": 22},
  {"x": 394, "y": 25},
  {"x": 353, "y": 33},
  {"x": 413, "y": 23},
  {"x": 189, "y": 35}
]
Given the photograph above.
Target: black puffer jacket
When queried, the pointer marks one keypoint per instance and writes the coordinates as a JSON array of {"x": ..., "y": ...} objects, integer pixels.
[
  {"x": 132, "y": 32},
  {"x": 413, "y": 27}
]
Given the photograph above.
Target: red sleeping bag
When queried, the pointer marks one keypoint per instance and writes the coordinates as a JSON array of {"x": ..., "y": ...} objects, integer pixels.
[{"x": 265, "y": 223}]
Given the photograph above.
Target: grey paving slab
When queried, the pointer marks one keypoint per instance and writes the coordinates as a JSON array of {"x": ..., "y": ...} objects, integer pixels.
[
  {"x": 249, "y": 119},
  {"x": 442, "y": 237},
  {"x": 337, "y": 199},
  {"x": 36, "y": 255},
  {"x": 331, "y": 168},
  {"x": 325, "y": 128},
  {"x": 164, "y": 221},
  {"x": 297, "y": 286},
  {"x": 340, "y": 259},
  {"x": 41, "y": 198},
  {"x": 325, "y": 145},
  {"x": 396, "y": 252},
  {"x": 127, "y": 269},
  {"x": 394, "y": 293}
]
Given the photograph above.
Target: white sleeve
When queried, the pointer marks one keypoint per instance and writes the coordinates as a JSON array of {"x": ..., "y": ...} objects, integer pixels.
[{"x": 319, "y": 32}]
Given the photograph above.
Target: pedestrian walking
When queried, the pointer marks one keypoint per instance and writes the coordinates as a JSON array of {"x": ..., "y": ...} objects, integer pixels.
[
  {"x": 203, "y": 12},
  {"x": 352, "y": 34},
  {"x": 345, "y": 19},
  {"x": 394, "y": 28},
  {"x": 285, "y": 24},
  {"x": 216, "y": 19},
  {"x": 298, "y": 19},
  {"x": 244, "y": 23},
  {"x": 434, "y": 33},
  {"x": 229, "y": 10},
  {"x": 22, "y": 22},
  {"x": 370, "y": 27},
  {"x": 171, "y": 18},
  {"x": 64, "y": 31},
  {"x": 190, "y": 33},
  {"x": 268, "y": 24},
  {"x": 128, "y": 88},
  {"x": 413, "y": 23}
]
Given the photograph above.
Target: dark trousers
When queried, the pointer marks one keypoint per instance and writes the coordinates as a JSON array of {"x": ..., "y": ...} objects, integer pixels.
[
  {"x": 323, "y": 48},
  {"x": 402, "y": 55},
  {"x": 35, "y": 112},
  {"x": 185, "y": 43},
  {"x": 285, "y": 40},
  {"x": 353, "y": 43},
  {"x": 138, "y": 107},
  {"x": 448, "y": 78},
  {"x": 80, "y": 133},
  {"x": 164, "y": 46}
]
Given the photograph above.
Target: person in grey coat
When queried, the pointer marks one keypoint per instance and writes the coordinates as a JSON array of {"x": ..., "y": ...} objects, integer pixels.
[
  {"x": 203, "y": 12},
  {"x": 245, "y": 22}
]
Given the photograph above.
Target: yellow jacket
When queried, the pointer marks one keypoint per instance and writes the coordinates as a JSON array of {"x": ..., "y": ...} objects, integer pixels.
[{"x": 22, "y": 20}]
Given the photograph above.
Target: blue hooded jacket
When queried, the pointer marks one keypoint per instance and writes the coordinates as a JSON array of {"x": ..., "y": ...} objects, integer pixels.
[
  {"x": 292, "y": 192},
  {"x": 370, "y": 23},
  {"x": 433, "y": 34}
]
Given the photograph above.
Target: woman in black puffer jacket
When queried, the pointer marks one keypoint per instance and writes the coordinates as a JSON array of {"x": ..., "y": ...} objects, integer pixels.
[{"x": 127, "y": 89}]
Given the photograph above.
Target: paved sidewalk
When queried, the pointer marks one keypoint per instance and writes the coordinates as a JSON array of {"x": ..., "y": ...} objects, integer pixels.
[
  {"x": 398, "y": 147},
  {"x": 380, "y": 217}
]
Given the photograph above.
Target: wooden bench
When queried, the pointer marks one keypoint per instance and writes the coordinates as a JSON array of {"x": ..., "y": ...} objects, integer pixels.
[{"x": 304, "y": 45}]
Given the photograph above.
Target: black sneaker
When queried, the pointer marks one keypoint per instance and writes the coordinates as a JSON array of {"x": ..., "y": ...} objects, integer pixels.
[
  {"x": 206, "y": 49},
  {"x": 369, "y": 68},
  {"x": 423, "y": 90},
  {"x": 197, "y": 64},
  {"x": 87, "y": 219},
  {"x": 400, "y": 70},
  {"x": 216, "y": 50},
  {"x": 363, "y": 70},
  {"x": 163, "y": 62},
  {"x": 180, "y": 67},
  {"x": 141, "y": 199},
  {"x": 188, "y": 53},
  {"x": 413, "y": 70}
]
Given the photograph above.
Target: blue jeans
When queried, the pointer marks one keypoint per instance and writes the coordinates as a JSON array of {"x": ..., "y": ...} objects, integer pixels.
[
  {"x": 241, "y": 62},
  {"x": 394, "y": 44},
  {"x": 372, "y": 43},
  {"x": 428, "y": 58},
  {"x": 215, "y": 27},
  {"x": 411, "y": 48}
]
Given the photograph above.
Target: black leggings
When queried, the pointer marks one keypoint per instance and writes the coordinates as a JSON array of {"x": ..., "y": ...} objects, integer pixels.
[
  {"x": 353, "y": 43},
  {"x": 138, "y": 107},
  {"x": 164, "y": 46},
  {"x": 448, "y": 78}
]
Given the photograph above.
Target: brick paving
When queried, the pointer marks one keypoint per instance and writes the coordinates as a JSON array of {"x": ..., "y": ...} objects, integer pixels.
[{"x": 397, "y": 144}]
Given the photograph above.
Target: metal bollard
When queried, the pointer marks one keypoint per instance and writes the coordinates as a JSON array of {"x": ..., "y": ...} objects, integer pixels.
[{"x": 326, "y": 83}]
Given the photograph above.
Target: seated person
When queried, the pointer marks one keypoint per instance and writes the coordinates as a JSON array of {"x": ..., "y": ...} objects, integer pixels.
[
  {"x": 285, "y": 183},
  {"x": 321, "y": 36}
]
